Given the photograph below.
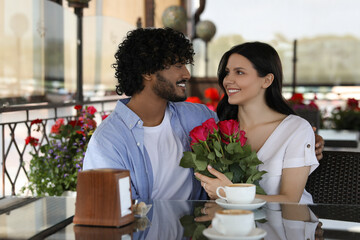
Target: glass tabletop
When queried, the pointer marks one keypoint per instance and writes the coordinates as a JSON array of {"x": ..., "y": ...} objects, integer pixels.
[
  {"x": 51, "y": 218},
  {"x": 24, "y": 218}
]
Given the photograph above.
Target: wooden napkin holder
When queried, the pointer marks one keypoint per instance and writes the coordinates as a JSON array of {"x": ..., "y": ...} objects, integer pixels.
[{"x": 103, "y": 198}]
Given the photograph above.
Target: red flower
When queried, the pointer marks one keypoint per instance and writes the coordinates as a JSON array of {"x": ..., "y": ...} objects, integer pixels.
[
  {"x": 193, "y": 100},
  {"x": 56, "y": 127},
  {"x": 199, "y": 133},
  {"x": 33, "y": 141},
  {"x": 312, "y": 104},
  {"x": 103, "y": 117},
  {"x": 212, "y": 107},
  {"x": 210, "y": 125},
  {"x": 91, "y": 123},
  {"x": 91, "y": 110},
  {"x": 242, "y": 139},
  {"x": 74, "y": 123},
  {"x": 352, "y": 103},
  {"x": 212, "y": 94},
  {"x": 297, "y": 98},
  {"x": 36, "y": 121},
  {"x": 78, "y": 107},
  {"x": 229, "y": 127},
  {"x": 80, "y": 132}
]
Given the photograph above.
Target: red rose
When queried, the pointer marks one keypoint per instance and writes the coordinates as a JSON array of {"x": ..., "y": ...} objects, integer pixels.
[
  {"x": 78, "y": 107},
  {"x": 199, "y": 133},
  {"x": 242, "y": 139},
  {"x": 56, "y": 127},
  {"x": 212, "y": 94},
  {"x": 193, "y": 100},
  {"x": 91, "y": 110},
  {"x": 210, "y": 125},
  {"x": 229, "y": 127}
]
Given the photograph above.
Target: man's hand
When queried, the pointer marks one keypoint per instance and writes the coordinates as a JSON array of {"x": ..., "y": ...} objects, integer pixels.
[{"x": 319, "y": 145}]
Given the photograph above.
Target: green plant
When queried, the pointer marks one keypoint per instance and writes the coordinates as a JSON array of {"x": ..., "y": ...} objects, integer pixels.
[
  {"x": 54, "y": 168},
  {"x": 348, "y": 117},
  {"x": 223, "y": 146}
]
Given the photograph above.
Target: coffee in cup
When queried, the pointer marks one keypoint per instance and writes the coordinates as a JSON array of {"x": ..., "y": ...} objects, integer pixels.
[
  {"x": 233, "y": 222},
  {"x": 238, "y": 193}
]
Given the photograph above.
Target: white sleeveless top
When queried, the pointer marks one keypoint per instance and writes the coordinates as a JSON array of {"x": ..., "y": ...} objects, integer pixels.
[{"x": 165, "y": 151}]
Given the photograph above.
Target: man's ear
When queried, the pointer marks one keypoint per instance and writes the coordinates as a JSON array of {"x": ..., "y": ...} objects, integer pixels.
[
  {"x": 269, "y": 78},
  {"x": 147, "y": 77}
]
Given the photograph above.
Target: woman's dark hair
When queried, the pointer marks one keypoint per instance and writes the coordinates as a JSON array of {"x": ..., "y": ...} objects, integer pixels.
[
  {"x": 146, "y": 51},
  {"x": 265, "y": 60}
]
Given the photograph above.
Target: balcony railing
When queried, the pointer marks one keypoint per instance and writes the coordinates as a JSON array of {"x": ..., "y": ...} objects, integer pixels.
[{"x": 15, "y": 126}]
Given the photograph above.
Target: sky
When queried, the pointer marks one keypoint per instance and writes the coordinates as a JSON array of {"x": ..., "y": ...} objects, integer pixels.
[{"x": 260, "y": 19}]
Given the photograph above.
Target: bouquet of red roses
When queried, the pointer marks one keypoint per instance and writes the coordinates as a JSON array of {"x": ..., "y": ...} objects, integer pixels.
[{"x": 223, "y": 146}]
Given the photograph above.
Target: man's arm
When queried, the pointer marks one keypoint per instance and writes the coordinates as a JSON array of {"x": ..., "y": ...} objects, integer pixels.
[{"x": 319, "y": 145}]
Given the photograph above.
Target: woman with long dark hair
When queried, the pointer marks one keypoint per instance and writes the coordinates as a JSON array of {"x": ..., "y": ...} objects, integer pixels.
[{"x": 251, "y": 76}]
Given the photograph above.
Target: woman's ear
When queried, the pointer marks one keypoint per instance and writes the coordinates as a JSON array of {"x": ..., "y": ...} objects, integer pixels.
[{"x": 269, "y": 78}]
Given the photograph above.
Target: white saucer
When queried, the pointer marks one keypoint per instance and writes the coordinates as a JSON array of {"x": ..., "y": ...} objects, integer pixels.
[
  {"x": 212, "y": 234},
  {"x": 245, "y": 206}
]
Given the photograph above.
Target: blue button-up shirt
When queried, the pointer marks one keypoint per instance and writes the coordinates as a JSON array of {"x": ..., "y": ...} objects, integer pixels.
[{"x": 118, "y": 143}]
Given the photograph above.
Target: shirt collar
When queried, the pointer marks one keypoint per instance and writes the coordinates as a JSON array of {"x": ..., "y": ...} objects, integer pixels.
[{"x": 130, "y": 119}]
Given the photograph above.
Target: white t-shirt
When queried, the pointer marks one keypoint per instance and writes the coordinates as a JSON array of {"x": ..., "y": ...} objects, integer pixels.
[
  {"x": 291, "y": 145},
  {"x": 165, "y": 151}
]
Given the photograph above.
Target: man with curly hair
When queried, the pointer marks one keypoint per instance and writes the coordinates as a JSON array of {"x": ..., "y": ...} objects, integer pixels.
[{"x": 148, "y": 132}]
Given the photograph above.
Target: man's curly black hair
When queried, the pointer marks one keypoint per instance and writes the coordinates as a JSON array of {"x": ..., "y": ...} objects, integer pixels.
[{"x": 146, "y": 51}]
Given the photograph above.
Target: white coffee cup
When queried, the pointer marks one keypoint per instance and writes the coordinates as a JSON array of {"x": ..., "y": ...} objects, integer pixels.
[
  {"x": 238, "y": 193},
  {"x": 233, "y": 222}
]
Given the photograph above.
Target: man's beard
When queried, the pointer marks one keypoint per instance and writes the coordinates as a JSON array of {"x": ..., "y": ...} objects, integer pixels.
[{"x": 166, "y": 90}]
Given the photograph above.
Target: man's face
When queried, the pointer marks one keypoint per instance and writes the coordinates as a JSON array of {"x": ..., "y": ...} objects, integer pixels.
[{"x": 171, "y": 83}]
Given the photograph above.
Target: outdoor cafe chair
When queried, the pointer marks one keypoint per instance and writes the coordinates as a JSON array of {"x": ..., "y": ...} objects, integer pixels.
[{"x": 337, "y": 179}]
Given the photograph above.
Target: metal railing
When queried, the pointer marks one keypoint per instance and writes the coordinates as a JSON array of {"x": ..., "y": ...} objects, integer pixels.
[{"x": 15, "y": 126}]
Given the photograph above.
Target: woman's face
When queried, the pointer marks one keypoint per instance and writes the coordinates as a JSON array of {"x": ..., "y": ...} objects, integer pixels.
[{"x": 241, "y": 82}]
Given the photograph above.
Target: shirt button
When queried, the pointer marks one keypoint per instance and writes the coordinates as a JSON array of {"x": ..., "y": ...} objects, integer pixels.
[
  {"x": 139, "y": 122},
  {"x": 308, "y": 146},
  {"x": 138, "y": 144},
  {"x": 130, "y": 126}
]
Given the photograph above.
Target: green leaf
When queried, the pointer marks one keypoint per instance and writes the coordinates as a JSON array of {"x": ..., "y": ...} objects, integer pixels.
[
  {"x": 187, "y": 220},
  {"x": 225, "y": 162},
  {"x": 200, "y": 165},
  {"x": 198, "y": 149},
  {"x": 211, "y": 156},
  {"x": 259, "y": 190},
  {"x": 217, "y": 146},
  {"x": 218, "y": 154},
  {"x": 229, "y": 175},
  {"x": 188, "y": 160},
  {"x": 198, "y": 232}
]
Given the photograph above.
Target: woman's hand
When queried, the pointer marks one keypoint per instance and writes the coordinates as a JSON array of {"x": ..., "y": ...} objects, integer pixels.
[
  {"x": 208, "y": 212},
  {"x": 211, "y": 184}
]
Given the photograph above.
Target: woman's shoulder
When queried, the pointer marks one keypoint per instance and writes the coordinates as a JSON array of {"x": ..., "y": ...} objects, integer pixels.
[{"x": 296, "y": 120}]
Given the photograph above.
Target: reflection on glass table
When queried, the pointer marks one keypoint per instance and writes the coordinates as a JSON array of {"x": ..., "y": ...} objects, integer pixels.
[{"x": 51, "y": 218}]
